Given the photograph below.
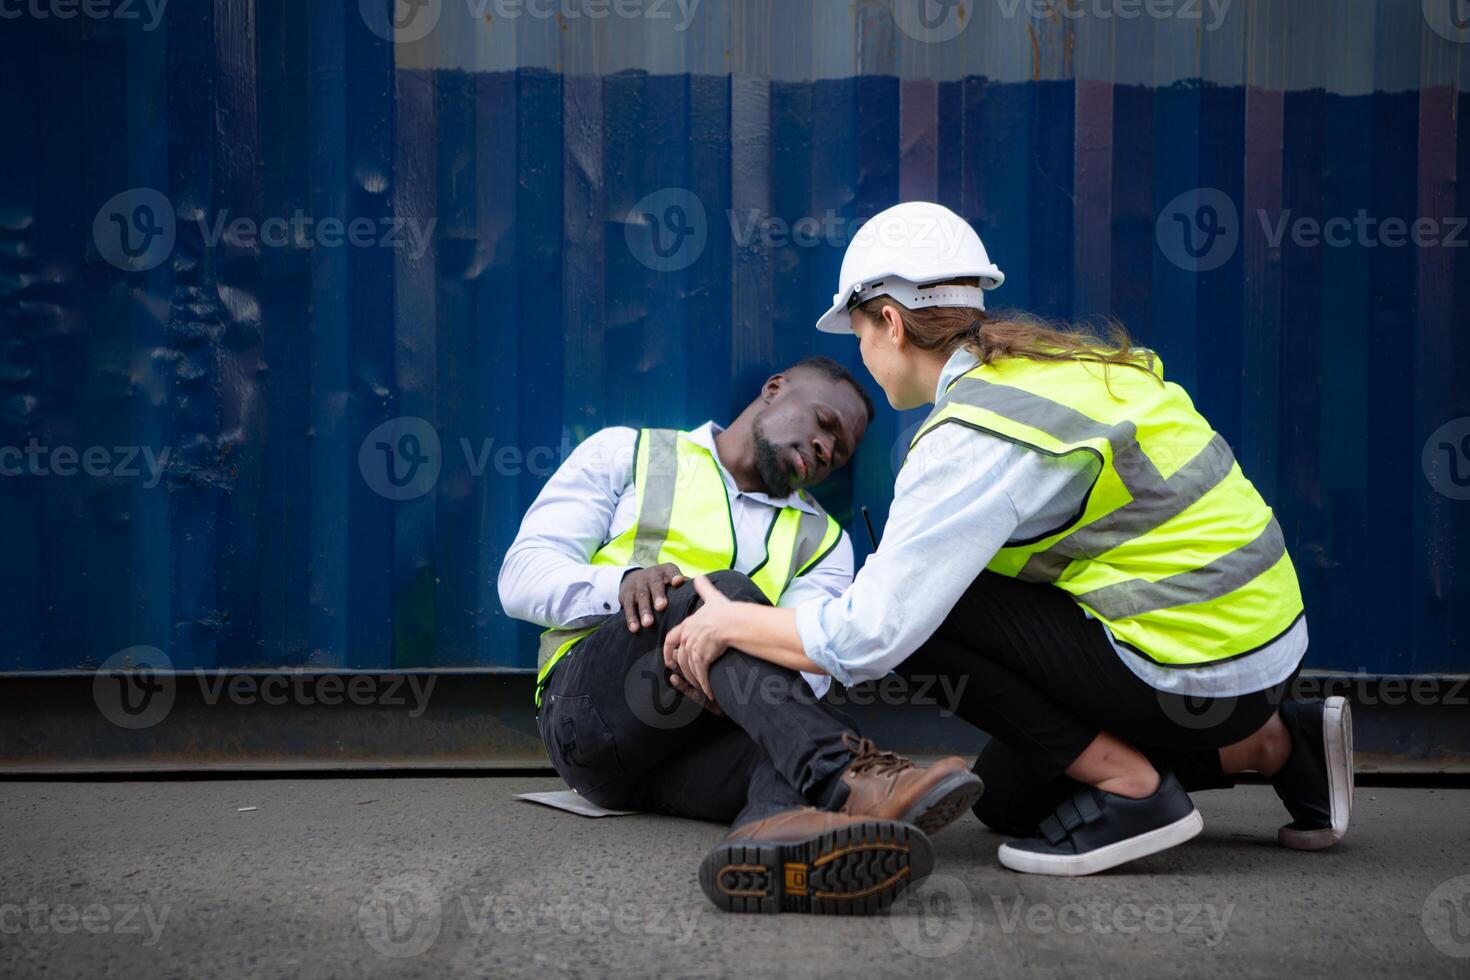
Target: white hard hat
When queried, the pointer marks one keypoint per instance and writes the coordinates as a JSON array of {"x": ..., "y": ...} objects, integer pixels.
[{"x": 905, "y": 252}]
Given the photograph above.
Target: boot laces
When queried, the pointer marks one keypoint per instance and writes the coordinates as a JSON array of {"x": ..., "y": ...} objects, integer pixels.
[{"x": 867, "y": 758}]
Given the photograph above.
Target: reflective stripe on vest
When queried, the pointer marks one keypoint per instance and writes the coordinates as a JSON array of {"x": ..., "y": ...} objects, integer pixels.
[
  {"x": 683, "y": 516},
  {"x": 1188, "y": 568}
]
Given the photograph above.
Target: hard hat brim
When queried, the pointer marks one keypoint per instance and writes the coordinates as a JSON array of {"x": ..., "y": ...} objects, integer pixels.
[{"x": 835, "y": 320}]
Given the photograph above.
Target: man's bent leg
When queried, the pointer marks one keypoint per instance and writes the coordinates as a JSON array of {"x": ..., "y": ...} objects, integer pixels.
[{"x": 807, "y": 744}]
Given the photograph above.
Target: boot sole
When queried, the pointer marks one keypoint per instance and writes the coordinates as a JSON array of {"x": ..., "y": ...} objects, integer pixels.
[
  {"x": 1337, "y": 736},
  {"x": 1109, "y": 856},
  {"x": 944, "y": 804},
  {"x": 854, "y": 870}
]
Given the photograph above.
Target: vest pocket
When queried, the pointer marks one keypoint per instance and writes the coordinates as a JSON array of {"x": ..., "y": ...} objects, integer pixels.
[{"x": 580, "y": 743}]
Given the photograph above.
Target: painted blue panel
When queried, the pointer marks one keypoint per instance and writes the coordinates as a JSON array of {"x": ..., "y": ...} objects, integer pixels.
[{"x": 624, "y": 247}]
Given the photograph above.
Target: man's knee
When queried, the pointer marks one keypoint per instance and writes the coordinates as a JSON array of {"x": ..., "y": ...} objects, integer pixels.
[{"x": 738, "y": 586}]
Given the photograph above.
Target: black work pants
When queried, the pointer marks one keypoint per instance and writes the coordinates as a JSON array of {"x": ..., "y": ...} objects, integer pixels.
[
  {"x": 1042, "y": 679},
  {"x": 624, "y": 738}
]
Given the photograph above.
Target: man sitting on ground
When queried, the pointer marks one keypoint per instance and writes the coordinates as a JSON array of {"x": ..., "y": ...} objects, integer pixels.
[{"x": 824, "y": 822}]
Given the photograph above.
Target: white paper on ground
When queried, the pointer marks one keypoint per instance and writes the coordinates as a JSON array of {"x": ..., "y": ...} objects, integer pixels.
[{"x": 569, "y": 800}]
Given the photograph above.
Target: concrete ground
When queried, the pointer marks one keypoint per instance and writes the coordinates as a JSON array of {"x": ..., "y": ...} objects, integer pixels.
[{"x": 431, "y": 876}]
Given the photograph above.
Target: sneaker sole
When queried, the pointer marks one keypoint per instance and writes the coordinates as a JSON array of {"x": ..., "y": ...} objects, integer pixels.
[
  {"x": 855, "y": 870},
  {"x": 1103, "y": 858},
  {"x": 945, "y": 803},
  {"x": 1337, "y": 737}
]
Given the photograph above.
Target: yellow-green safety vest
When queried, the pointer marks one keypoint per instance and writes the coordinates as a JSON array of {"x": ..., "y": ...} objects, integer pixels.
[
  {"x": 1174, "y": 550},
  {"x": 683, "y": 516}
]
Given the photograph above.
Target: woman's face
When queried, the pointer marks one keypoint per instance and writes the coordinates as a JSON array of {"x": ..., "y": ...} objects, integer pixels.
[{"x": 887, "y": 360}]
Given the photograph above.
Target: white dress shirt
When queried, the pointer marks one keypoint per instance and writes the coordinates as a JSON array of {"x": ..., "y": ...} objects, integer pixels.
[
  {"x": 547, "y": 577},
  {"x": 960, "y": 496}
]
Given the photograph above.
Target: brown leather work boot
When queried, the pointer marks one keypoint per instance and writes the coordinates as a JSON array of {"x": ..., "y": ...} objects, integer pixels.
[
  {"x": 809, "y": 860},
  {"x": 890, "y": 787}
]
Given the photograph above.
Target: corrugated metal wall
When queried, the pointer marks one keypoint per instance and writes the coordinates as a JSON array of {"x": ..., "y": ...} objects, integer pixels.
[{"x": 511, "y": 281}]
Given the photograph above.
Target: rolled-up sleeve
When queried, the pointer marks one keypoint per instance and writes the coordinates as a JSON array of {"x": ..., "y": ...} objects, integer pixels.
[{"x": 954, "y": 507}]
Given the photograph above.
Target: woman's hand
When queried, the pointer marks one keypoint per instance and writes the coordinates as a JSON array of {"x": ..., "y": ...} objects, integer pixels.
[{"x": 701, "y": 638}]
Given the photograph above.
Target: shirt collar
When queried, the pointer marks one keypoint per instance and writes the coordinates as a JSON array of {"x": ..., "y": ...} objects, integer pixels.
[
  {"x": 705, "y": 436},
  {"x": 961, "y": 362}
]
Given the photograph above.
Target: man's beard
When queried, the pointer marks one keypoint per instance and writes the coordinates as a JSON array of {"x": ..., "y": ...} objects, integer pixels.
[{"x": 774, "y": 473}]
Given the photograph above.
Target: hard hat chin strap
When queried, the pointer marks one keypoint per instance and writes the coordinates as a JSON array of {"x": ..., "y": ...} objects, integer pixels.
[{"x": 917, "y": 297}]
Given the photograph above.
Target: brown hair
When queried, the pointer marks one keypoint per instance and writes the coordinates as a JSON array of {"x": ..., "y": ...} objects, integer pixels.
[{"x": 993, "y": 336}]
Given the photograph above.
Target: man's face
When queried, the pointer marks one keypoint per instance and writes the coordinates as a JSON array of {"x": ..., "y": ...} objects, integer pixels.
[{"x": 808, "y": 426}]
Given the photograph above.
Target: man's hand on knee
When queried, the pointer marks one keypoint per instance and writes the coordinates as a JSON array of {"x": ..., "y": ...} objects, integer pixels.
[{"x": 643, "y": 592}]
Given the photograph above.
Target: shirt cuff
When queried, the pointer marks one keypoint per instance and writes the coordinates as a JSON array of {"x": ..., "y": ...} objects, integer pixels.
[
  {"x": 606, "y": 581},
  {"x": 816, "y": 642}
]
